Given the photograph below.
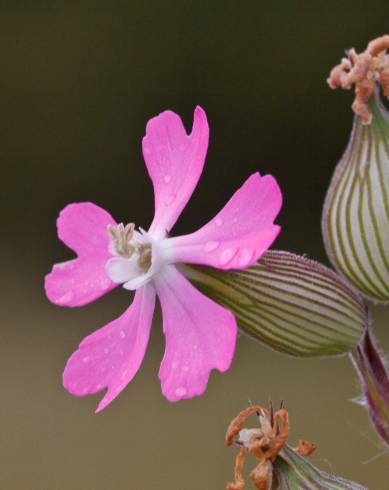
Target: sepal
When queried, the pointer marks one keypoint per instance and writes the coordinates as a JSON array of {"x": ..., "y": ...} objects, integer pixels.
[
  {"x": 355, "y": 220},
  {"x": 293, "y": 304}
]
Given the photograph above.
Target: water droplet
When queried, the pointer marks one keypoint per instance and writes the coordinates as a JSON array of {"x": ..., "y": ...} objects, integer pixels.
[
  {"x": 124, "y": 374},
  {"x": 211, "y": 246},
  {"x": 122, "y": 334},
  {"x": 65, "y": 298},
  {"x": 227, "y": 255},
  {"x": 147, "y": 150},
  {"x": 106, "y": 350},
  {"x": 104, "y": 285},
  {"x": 167, "y": 179},
  {"x": 245, "y": 257},
  {"x": 85, "y": 359},
  {"x": 170, "y": 198},
  {"x": 218, "y": 221},
  {"x": 61, "y": 265},
  {"x": 235, "y": 220},
  {"x": 181, "y": 391}
]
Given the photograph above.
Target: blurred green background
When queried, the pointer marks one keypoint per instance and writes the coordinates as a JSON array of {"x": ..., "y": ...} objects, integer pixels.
[{"x": 79, "y": 80}]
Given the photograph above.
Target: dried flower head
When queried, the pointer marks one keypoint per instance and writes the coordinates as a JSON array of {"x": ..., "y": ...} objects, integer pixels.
[
  {"x": 264, "y": 442},
  {"x": 363, "y": 70}
]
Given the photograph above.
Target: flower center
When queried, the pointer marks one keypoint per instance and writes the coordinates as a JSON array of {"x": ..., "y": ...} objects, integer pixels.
[
  {"x": 124, "y": 244},
  {"x": 137, "y": 255}
]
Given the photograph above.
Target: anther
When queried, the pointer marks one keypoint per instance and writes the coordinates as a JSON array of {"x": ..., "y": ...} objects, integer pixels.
[
  {"x": 145, "y": 254},
  {"x": 121, "y": 236}
]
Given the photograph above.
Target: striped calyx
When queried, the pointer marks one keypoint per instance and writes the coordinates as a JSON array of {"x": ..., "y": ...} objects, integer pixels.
[
  {"x": 374, "y": 377},
  {"x": 355, "y": 219},
  {"x": 293, "y": 472},
  {"x": 290, "y": 303}
]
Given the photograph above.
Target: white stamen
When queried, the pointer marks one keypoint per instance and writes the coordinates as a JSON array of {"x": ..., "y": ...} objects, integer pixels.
[{"x": 138, "y": 256}]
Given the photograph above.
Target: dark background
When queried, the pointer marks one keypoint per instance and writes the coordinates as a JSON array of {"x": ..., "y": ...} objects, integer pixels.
[{"x": 78, "y": 82}]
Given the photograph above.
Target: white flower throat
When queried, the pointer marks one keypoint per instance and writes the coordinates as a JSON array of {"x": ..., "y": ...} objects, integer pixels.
[{"x": 137, "y": 256}]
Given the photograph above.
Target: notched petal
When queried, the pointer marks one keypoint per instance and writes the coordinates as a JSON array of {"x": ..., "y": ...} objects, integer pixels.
[{"x": 111, "y": 356}]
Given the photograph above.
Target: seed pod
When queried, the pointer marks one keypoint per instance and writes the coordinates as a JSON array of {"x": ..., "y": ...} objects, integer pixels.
[
  {"x": 355, "y": 220},
  {"x": 290, "y": 303}
]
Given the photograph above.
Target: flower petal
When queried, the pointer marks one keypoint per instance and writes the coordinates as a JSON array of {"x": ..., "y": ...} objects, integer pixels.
[
  {"x": 78, "y": 282},
  {"x": 200, "y": 336},
  {"x": 174, "y": 161},
  {"x": 241, "y": 232},
  {"x": 111, "y": 356},
  {"x": 121, "y": 269},
  {"x": 83, "y": 228}
]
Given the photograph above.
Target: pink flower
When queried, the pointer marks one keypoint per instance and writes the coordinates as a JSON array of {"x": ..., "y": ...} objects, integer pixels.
[{"x": 200, "y": 334}]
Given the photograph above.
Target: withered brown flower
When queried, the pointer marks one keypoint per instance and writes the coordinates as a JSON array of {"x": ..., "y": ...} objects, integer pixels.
[
  {"x": 363, "y": 70},
  {"x": 264, "y": 442}
]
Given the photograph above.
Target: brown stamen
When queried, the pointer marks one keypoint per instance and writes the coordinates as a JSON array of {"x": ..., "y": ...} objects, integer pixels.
[
  {"x": 121, "y": 236},
  {"x": 145, "y": 254}
]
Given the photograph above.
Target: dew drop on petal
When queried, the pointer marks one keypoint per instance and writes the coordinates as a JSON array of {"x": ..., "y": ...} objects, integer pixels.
[
  {"x": 170, "y": 198},
  {"x": 218, "y": 221},
  {"x": 122, "y": 334},
  {"x": 65, "y": 298},
  {"x": 227, "y": 255},
  {"x": 106, "y": 350},
  {"x": 181, "y": 391},
  {"x": 211, "y": 246},
  {"x": 85, "y": 359},
  {"x": 104, "y": 285},
  {"x": 245, "y": 257},
  {"x": 124, "y": 374},
  {"x": 167, "y": 179},
  {"x": 61, "y": 265}
]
